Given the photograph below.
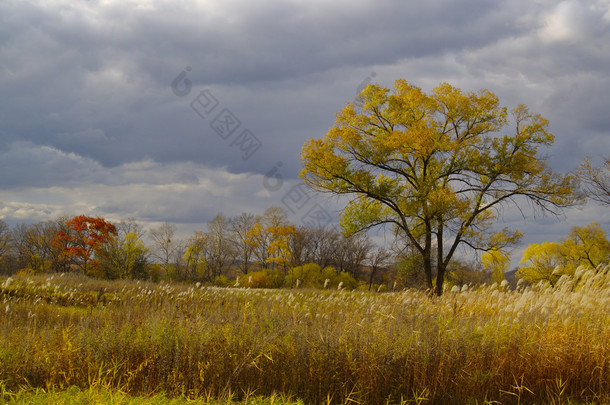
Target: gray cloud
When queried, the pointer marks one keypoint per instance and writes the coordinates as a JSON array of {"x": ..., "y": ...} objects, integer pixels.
[
  {"x": 87, "y": 110},
  {"x": 79, "y": 65}
]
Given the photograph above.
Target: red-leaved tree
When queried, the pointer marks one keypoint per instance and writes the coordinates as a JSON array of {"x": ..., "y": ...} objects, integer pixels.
[{"x": 83, "y": 240}]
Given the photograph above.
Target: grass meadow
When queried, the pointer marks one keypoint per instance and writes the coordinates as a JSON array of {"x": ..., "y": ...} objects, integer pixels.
[{"x": 70, "y": 338}]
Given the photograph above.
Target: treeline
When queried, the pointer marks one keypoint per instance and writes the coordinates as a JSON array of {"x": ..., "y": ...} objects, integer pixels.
[
  {"x": 248, "y": 250},
  {"x": 269, "y": 251}
]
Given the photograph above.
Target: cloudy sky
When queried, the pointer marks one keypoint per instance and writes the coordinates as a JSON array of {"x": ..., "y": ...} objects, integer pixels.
[{"x": 175, "y": 110}]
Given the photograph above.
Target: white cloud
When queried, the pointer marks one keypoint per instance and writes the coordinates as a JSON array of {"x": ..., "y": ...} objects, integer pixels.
[
  {"x": 574, "y": 21},
  {"x": 146, "y": 190},
  {"x": 563, "y": 23}
]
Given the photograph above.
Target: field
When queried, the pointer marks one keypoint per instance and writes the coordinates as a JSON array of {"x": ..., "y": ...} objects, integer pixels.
[{"x": 173, "y": 343}]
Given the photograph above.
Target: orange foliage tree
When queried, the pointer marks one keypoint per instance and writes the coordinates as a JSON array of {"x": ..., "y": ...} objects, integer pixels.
[{"x": 84, "y": 238}]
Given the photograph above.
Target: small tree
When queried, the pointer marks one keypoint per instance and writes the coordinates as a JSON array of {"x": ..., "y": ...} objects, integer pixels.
[
  {"x": 437, "y": 166},
  {"x": 352, "y": 253},
  {"x": 125, "y": 255},
  {"x": 36, "y": 246}
]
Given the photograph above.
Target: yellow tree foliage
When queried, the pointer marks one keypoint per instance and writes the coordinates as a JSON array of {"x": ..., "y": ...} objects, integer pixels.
[
  {"x": 496, "y": 262},
  {"x": 258, "y": 238},
  {"x": 269, "y": 238},
  {"x": 541, "y": 263},
  {"x": 437, "y": 166},
  {"x": 134, "y": 256},
  {"x": 194, "y": 257},
  {"x": 585, "y": 246},
  {"x": 279, "y": 247},
  {"x": 123, "y": 256}
]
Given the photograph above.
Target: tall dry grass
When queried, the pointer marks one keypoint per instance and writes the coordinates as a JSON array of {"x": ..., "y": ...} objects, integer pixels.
[{"x": 489, "y": 345}]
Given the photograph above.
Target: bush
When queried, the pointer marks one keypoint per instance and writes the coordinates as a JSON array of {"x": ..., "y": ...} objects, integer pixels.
[
  {"x": 311, "y": 275},
  {"x": 27, "y": 272},
  {"x": 154, "y": 272},
  {"x": 171, "y": 273},
  {"x": 262, "y": 279},
  {"x": 346, "y": 280},
  {"x": 222, "y": 281}
]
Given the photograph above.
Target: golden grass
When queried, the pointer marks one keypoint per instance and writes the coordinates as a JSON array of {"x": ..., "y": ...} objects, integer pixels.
[
  {"x": 105, "y": 395},
  {"x": 489, "y": 345}
]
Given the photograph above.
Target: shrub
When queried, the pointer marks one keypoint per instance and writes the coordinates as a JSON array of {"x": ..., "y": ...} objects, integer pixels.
[
  {"x": 346, "y": 280},
  {"x": 222, "y": 281},
  {"x": 27, "y": 272},
  {"x": 311, "y": 275},
  {"x": 262, "y": 279},
  {"x": 308, "y": 275}
]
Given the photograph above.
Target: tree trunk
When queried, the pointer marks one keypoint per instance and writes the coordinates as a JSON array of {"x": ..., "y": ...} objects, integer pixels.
[
  {"x": 440, "y": 264},
  {"x": 428, "y": 257},
  {"x": 428, "y": 268},
  {"x": 440, "y": 279},
  {"x": 373, "y": 270}
]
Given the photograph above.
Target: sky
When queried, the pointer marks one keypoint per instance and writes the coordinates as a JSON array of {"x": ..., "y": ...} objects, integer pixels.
[{"x": 175, "y": 110}]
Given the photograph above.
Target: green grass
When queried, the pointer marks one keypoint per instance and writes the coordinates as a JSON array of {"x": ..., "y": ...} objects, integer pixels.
[{"x": 132, "y": 341}]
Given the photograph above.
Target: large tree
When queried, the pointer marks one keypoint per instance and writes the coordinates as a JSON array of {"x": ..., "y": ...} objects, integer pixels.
[{"x": 437, "y": 166}]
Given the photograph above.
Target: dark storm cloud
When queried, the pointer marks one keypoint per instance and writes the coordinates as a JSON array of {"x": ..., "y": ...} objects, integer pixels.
[
  {"x": 74, "y": 66},
  {"x": 88, "y": 118}
]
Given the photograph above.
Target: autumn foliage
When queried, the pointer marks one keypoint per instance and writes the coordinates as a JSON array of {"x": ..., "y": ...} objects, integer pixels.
[
  {"x": 84, "y": 239},
  {"x": 437, "y": 167},
  {"x": 585, "y": 247}
]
